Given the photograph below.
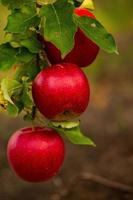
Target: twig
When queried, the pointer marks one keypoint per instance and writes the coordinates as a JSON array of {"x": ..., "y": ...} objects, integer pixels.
[
  {"x": 106, "y": 182},
  {"x": 86, "y": 176}
]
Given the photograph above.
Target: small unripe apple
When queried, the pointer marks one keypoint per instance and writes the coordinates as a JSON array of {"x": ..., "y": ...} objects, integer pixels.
[
  {"x": 84, "y": 51},
  {"x": 35, "y": 154},
  {"x": 61, "y": 92}
]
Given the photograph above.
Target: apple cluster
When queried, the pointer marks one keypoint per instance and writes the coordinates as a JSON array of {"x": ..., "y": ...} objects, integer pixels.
[{"x": 60, "y": 92}]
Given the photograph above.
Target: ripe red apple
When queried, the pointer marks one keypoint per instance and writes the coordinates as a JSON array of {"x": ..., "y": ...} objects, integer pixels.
[
  {"x": 35, "y": 154},
  {"x": 84, "y": 51},
  {"x": 61, "y": 92}
]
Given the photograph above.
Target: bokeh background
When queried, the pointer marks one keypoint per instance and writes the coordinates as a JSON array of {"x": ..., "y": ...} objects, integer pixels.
[{"x": 108, "y": 121}]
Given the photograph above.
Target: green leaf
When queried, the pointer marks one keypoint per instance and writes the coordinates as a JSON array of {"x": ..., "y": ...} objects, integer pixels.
[
  {"x": 59, "y": 27},
  {"x": 10, "y": 89},
  {"x": 29, "y": 70},
  {"x": 23, "y": 55},
  {"x": 7, "y": 56},
  {"x": 28, "y": 40},
  {"x": 16, "y": 4},
  {"x": 66, "y": 124},
  {"x": 10, "y": 56},
  {"x": 26, "y": 97},
  {"x": 12, "y": 110},
  {"x": 95, "y": 31},
  {"x": 31, "y": 43},
  {"x": 73, "y": 134},
  {"x": 43, "y": 2},
  {"x": 21, "y": 20}
]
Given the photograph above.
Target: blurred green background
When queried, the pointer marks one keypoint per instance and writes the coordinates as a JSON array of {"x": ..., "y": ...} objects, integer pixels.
[{"x": 108, "y": 120}]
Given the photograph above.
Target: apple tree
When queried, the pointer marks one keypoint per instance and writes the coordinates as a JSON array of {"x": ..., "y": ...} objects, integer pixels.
[{"x": 46, "y": 45}]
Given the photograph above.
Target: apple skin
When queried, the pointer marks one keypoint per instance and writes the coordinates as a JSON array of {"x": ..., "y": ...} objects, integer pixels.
[
  {"x": 35, "y": 154},
  {"x": 61, "y": 92},
  {"x": 84, "y": 52}
]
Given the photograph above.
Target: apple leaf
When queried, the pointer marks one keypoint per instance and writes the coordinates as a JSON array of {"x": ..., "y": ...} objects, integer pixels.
[
  {"x": 6, "y": 52},
  {"x": 58, "y": 24},
  {"x": 66, "y": 124},
  {"x": 44, "y": 2},
  {"x": 23, "y": 55},
  {"x": 28, "y": 40},
  {"x": 10, "y": 56},
  {"x": 95, "y": 31},
  {"x": 16, "y": 4},
  {"x": 12, "y": 110},
  {"x": 31, "y": 43},
  {"x": 17, "y": 95},
  {"x": 9, "y": 89},
  {"x": 21, "y": 20},
  {"x": 26, "y": 96},
  {"x": 29, "y": 70},
  {"x": 73, "y": 134}
]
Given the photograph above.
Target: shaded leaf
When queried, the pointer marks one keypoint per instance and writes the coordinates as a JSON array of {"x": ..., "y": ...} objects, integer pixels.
[
  {"x": 15, "y": 4},
  {"x": 26, "y": 97},
  {"x": 29, "y": 70},
  {"x": 21, "y": 20},
  {"x": 23, "y": 55},
  {"x": 31, "y": 43},
  {"x": 28, "y": 40},
  {"x": 7, "y": 56},
  {"x": 10, "y": 56}
]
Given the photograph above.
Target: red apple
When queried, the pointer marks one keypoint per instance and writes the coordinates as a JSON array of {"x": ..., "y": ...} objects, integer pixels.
[
  {"x": 84, "y": 51},
  {"x": 61, "y": 92},
  {"x": 35, "y": 154}
]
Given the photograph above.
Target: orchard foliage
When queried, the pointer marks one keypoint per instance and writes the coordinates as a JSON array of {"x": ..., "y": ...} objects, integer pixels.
[{"x": 22, "y": 52}]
